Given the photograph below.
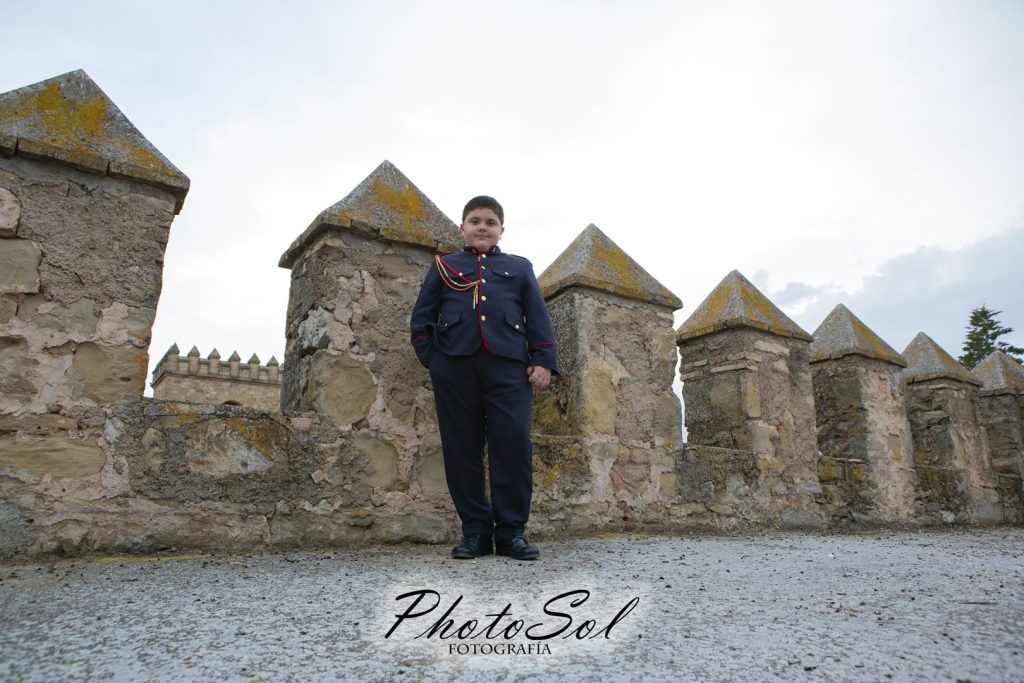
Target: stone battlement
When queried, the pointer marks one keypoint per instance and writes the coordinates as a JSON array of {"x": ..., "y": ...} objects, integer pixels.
[
  {"x": 340, "y": 446},
  {"x": 208, "y": 380}
]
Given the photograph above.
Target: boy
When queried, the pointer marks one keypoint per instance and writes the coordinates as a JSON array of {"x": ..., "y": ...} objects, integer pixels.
[{"x": 480, "y": 326}]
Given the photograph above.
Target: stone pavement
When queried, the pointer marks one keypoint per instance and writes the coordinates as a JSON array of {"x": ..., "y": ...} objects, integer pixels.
[{"x": 871, "y": 606}]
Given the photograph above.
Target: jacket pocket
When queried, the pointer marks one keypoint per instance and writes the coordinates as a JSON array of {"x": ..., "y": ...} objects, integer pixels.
[
  {"x": 516, "y": 323},
  {"x": 444, "y": 322}
]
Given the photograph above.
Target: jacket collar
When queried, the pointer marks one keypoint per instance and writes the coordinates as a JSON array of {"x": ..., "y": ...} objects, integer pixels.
[{"x": 494, "y": 250}]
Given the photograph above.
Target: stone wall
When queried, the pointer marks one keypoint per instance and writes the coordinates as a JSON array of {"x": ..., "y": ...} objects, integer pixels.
[
  {"x": 192, "y": 379},
  {"x": 88, "y": 465}
]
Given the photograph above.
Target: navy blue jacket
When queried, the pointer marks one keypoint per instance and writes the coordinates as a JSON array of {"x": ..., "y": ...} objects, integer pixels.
[{"x": 499, "y": 307}]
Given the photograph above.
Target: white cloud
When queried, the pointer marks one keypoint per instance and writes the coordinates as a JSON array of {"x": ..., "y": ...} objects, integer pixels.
[{"x": 931, "y": 290}]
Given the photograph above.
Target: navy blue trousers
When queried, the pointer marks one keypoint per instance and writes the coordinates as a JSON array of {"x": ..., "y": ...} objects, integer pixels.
[{"x": 485, "y": 399}]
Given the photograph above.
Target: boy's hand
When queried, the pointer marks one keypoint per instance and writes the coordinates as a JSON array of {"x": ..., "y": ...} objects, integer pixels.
[{"x": 540, "y": 377}]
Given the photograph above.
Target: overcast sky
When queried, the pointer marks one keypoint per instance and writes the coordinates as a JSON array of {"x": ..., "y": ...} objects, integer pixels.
[{"x": 870, "y": 153}]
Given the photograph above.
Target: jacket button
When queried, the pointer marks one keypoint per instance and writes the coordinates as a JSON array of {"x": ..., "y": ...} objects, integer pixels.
[
  {"x": 483, "y": 281},
  {"x": 483, "y": 267},
  {"x": 517, "y": 327},
  {"x": 506, "y": 272},
  {"x": 483, "y": 318},
  {"x": 483, "y": 298}
]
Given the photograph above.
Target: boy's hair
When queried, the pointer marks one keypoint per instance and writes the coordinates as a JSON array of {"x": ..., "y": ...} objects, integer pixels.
[{"x": 484, "y": 202}]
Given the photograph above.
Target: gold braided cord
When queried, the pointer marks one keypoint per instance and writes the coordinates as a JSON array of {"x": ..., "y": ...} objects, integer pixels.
[{"x": 449, "y": 280}]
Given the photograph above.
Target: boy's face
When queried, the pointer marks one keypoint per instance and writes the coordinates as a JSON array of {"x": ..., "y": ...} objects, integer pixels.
[{"x": 481, "y": 229}]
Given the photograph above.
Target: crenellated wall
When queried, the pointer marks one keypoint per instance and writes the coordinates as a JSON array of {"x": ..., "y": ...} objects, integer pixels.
[
  {"x": 785, "y": 431},
  {"x": 193, "y": 379}
]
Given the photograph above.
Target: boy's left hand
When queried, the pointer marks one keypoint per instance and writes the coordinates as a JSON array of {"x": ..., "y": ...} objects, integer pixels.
[{"x": 539, "y": 376}]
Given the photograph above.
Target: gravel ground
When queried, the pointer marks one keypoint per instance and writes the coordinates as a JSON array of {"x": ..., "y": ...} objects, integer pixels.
[{"x": 931, "y": 605}]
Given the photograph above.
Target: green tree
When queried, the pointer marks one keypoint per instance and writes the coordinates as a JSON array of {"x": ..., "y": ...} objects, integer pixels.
[{"x": 983, "y": 332}]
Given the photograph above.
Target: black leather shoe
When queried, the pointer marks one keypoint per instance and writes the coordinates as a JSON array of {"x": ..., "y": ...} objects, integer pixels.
[
  {"x": 473, "y": 547},
  {"x": 518, "y": 549}
]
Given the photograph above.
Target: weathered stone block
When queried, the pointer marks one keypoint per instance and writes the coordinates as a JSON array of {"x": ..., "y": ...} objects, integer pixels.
[
  {"x": 19, "y": 266},
  {"x": 303, "y": 529},
  {"x": 218, "y": 449},
  {"x": 30, "y": 459},
  {"x": 381, "y": 459},
  {"x": 706, "y": 474},
  {"x": 80, "y": 317},
  {"x": 339, "y": 387},
  {"x": 944, "y": 489},
  {"x": 15, "y": 534},
  {"x": 10, "y": 213},
  {"x": 562, "y": 470},
  {"x": 600, "y": 404},
  {"x": 36, "y": 424},
  {"x": 430, "y": 471},
  {"x": 416, "y": 528},
  {"x": 107, "y": 374},
  {"x": 17, "y": 368},
  {"x": 8, "y": 308}
]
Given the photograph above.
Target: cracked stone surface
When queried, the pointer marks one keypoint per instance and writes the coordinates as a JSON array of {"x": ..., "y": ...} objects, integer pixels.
[{"x": 911, "y": 605}]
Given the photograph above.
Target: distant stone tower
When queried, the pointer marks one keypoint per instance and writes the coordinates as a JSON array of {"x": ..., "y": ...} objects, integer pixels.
[
  {"x": 613, "y": 324},
  {"x": 1002, "y": 415},
  {"x": 747, "y": 388},
  {"x": 207, "y": 380},
  {"x": 867, "y": 467},
  {"x": 951, "y": 453}
]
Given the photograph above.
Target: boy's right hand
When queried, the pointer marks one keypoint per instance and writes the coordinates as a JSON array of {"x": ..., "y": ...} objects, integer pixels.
[{"x": 539, "y": 376}]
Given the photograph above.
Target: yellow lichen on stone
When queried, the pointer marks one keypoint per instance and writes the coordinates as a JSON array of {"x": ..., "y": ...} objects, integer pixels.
[
  {"x": 66, "y": 120},
  {"x": 405, "y": 203},
  {"x": 618, "y": 262},
  {"x": 406, "y": 211}
]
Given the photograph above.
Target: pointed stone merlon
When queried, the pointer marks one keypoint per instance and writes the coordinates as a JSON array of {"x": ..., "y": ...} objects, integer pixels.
[
  {"x": 80, "y": 188},
  {"x": 747, "y": 386},
  {"x": 355, "y": 274},
  {"x": 613, "y": 326},
  {"x": 866, "y": 470},
  {"x": 951, "y": 454},
  {"x": 385, "y": 206},
  {"x": 70, "y": 120},
  {"x": 192, "y": 379},
  {"x": 1001, "y": 403},
  {"x": 594, "y": 262}
]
